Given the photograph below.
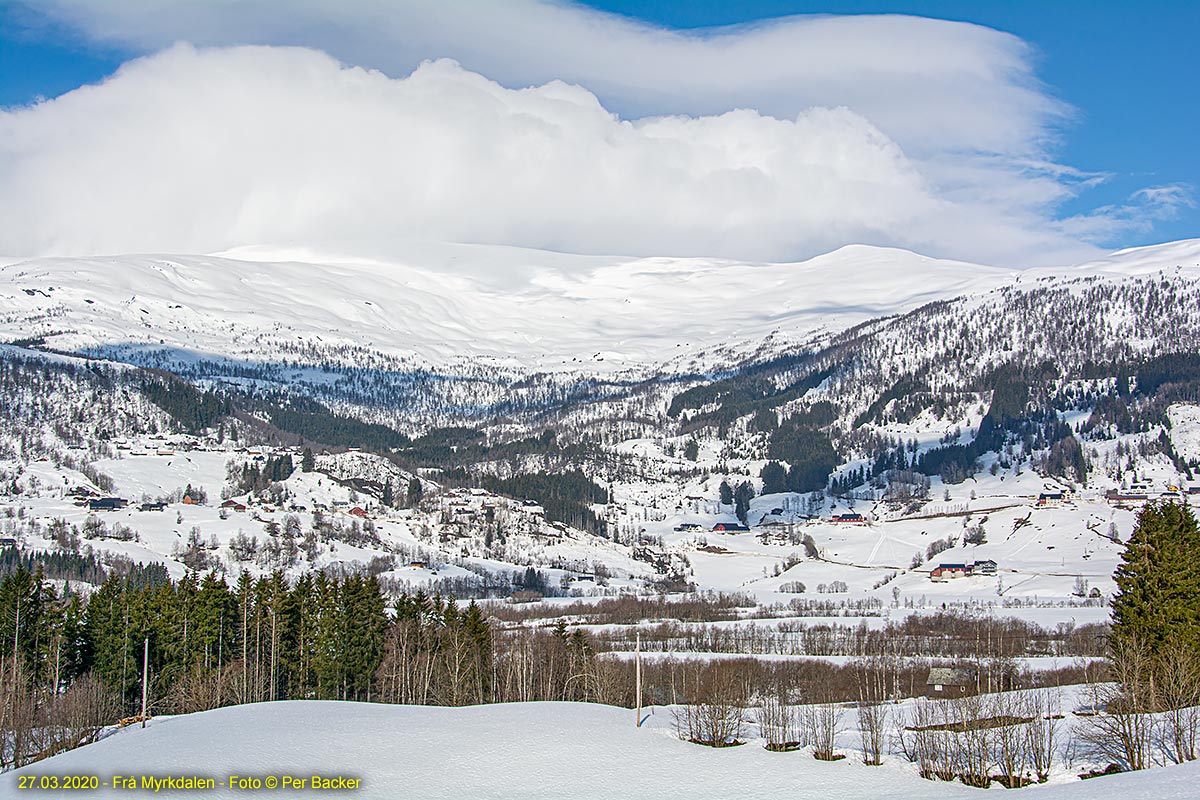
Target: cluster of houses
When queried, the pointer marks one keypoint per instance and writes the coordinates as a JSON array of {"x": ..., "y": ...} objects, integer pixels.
[
  {"x": 945, "y": 572},
  {"x": 1141, "y": 493},
  {"x": 770, "y": 522},
  {"x": 464, "y": 510}
]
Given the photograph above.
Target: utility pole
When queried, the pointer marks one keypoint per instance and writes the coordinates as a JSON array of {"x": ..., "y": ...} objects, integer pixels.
[
  {"x": 273, "y": 645},
  {"x": 220, "y": 648},
  {"x": 145, "y": 676},
  {"x": 637, "y": 658}
]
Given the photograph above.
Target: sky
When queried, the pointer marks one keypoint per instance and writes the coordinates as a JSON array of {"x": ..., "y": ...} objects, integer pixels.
[{"x": 1013, "y": 133}]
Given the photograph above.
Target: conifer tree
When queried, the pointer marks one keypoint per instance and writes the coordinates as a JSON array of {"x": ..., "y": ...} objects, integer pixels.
[
  {"x": 415, "y": 492},
  {"x": 1158, "y": 581}
]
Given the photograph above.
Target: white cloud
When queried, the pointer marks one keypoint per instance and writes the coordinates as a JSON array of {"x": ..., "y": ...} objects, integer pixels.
[
  {"x": 589, "y": 133},
  {"x": 1138, "y": 213},
  {"x": 930, "y": 85},
  {"x": 201, "y": 150}
]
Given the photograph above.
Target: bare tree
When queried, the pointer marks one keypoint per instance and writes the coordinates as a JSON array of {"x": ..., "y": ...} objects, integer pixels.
[
  {"x": 1010, "y": 740},
  {"x": 1177, "y": 691},
  {"x": 966, "y": 716},
  {"x": 1121, "y": 727},
  {"x": 1042, "y": 731},
  {"x": 872, "y": 707}
]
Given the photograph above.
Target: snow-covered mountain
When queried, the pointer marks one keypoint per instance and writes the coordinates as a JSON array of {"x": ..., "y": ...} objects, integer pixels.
[
  {"x": 450, "y": 304},
  {"x": 929, "y": 396},
  {"x": 462, "y": 331},
  {"x": 517, "y": 309}
]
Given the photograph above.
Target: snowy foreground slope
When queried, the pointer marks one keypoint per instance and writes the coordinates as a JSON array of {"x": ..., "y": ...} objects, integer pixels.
[{"x": 526, "y": 750}]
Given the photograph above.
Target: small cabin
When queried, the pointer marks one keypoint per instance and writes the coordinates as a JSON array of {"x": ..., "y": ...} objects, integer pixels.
[
  {"x": 159, "y": 506},
  {"x": 985, "y": 567},
  {"x": 233, "y": 505},
  {"x": 1050, "y": 499},
  {"x": 729, "y": 527},
  {"x": 357, "y": 511},
  {"x": 950, "y": 681},
  {"x": 419, "y": 564},
  {"x": 188, "y": 500}
]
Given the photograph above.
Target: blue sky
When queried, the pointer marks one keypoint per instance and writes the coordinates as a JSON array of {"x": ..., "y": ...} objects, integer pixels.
[
  {"x": 1131, "y": 69},
  {"x": 1126, "y": 69}
]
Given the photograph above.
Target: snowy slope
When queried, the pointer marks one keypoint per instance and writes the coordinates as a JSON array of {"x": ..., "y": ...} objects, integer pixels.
[
  {"x": 525, "y": 750},
  {"x": 447, "y": 302},
  {"x": 521, "y": 308}
]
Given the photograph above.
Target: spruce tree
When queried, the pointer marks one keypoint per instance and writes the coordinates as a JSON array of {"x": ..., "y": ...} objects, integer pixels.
[
  {"x": 774, "y": 478},
  {"x": 414, "y": 491},
  {"x": 1158, "y": 582}
]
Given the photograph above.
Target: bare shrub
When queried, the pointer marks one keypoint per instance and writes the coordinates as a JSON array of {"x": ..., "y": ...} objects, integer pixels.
[
  {"x": 824, "y": 722},
  {"x": 778, "y": 723},
  {"x": 83, "y": 711},
  {"x": 243, "y": 547},
  {"x": 198, "y": 689},
  {"x": 972, "y": 741},
  {"x": 18, "y": 713},
  {"x": 714, "y": 717},
  {"x": 872, "y": 721},
  {"x": 915, "y": 737}
]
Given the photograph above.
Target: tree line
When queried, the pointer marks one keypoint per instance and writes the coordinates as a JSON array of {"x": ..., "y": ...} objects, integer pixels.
[{"x": 72, "y": 664}]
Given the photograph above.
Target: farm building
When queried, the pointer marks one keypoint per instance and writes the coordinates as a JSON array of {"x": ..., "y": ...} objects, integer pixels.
[
  {"x": 949, "y": 681},
  {"x": 107, "y": 504},
  {"x": 944, "y": 572}
]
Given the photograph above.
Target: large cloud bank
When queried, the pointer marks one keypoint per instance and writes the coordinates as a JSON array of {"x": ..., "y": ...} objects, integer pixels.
[{"x": 775, "y": 142}]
